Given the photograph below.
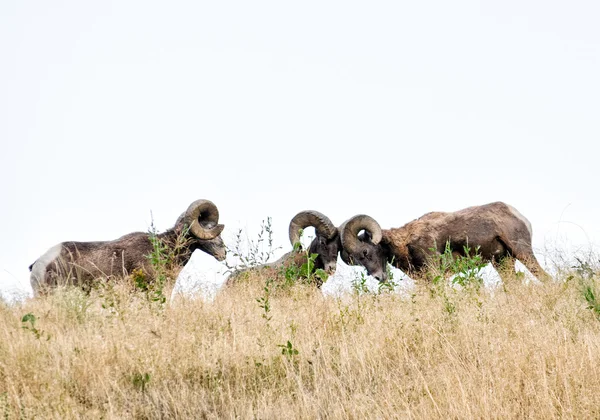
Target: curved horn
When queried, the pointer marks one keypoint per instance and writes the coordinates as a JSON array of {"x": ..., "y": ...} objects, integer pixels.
[
  {"x": 349, "y": 232},
  {"x": 202, "y": 216},
  {"x": 313, "y": 218}
]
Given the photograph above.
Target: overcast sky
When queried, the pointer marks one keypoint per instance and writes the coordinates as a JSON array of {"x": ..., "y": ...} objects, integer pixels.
[{"x": 110, "y": 110}]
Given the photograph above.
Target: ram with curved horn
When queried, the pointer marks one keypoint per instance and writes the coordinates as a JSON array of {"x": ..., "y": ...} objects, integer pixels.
[
  {"x": 500, "y": 232},
  {"x": 326, "y": 245},
  {"x": 80, "y": 263}
]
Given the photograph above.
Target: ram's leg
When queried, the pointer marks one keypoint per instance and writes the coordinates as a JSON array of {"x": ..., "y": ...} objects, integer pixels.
[
  {"x": 532, "y": 264},
  {"x": 523, "y": 252},
  {"x": 505, "y": 266}
]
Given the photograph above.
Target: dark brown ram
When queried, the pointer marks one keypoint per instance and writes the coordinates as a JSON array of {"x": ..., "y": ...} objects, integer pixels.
[
  {"x": 326, "y": 245},
  {"x": 500, "y": 231},
  {"x": 82, "y": 262}
]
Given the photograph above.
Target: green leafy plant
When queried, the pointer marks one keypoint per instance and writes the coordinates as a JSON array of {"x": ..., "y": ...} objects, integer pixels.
[
  {"x": 389, "y": 285},
  {"x": 251, "y": 253},
  {"x": 163, "y": 259},
  {"x": 449, "y": 306},
  {"x": 589, "y": 285},
  {"x": 264, "y": 301},
  {"x": 29, "y": 321},
  {"x": 140, "y": 381},
  {"x": 592, "y": 300},
  {"x": 359, "y": 284},
  {"x": 159, "y": 259},
  {"x": 288, "y": 349},
  {"x": 306, "y": 272},
  {"x": 255, "y": 253},
  {"x": 466, "y": 268}
]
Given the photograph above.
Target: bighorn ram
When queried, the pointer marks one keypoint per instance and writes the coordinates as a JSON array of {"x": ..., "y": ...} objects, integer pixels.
[
  {"x": 81, "y": 262},
  {"x": 326, "y": 244},
  {"x": 499, "y": 230}
]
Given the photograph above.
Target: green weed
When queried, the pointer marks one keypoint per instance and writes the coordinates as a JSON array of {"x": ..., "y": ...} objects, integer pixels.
[
  {"x": 250, "y": 253},
  {"x": 140, "y": 381},
  {"x": 589, "y": 285},
  {"x": 29, "y": 321},
  {"x": 466, "y": 268},
  {"x": 288, "y": 349}
]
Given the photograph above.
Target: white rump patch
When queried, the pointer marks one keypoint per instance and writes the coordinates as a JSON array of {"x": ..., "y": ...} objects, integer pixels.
[
  {"x": 38, "y": 270},
  {"x": 522, "y": 218}
]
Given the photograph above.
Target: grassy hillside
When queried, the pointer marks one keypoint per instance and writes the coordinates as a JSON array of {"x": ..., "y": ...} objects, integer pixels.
[{"x": 266, "y": 351}]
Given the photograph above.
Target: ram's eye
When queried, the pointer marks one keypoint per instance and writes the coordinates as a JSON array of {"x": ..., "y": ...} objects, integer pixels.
[{"x": 365, "y": 253}]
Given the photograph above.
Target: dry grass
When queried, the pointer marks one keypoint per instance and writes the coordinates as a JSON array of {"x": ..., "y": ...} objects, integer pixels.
[{"x": 528, "y": 351}]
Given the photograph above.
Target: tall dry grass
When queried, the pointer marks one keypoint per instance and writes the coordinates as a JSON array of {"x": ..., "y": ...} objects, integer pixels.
[{"x": 527, "y": 351}]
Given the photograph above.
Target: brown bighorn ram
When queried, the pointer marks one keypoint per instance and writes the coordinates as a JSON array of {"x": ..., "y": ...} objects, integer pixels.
[
  {"x": 82, "y": 262},
  {"x": 326, "y": 245},
  {"x": 499, "y": 230}
]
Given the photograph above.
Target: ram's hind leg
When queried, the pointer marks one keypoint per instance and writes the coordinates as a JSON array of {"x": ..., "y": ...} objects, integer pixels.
[
  {"x": 499, "y": 255},
  {"x": 534, "y": 266},
  {"x": 505, "y": 266},
  {"x": 524, "y": 252}
]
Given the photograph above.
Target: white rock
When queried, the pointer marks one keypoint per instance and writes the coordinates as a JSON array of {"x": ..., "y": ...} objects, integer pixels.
[
  {"x": 348, "y": 277},
  {"x": 201, "y": 277}
]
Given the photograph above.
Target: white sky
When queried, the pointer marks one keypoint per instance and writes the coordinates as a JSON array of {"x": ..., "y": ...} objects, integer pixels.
[{"x": 112, "y": 109}]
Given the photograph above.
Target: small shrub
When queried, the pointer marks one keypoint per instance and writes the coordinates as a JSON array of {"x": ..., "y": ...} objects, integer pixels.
[
  {"x": 590, "y": 289},
  {"x": 390, "y": 285},
  {"x": 264, "y": 302},
  {"x": 465, "y": 268},
  {"x": 359, "y": 284},
  {"x": 140, "y": 381},
  {"x": 29, "y": 321},
  {"x": 163, "y": 260},
  {"x": 251, "y": 253},
  {"x": 306, "y": 273},
  {"x": 288, "y": 349}
]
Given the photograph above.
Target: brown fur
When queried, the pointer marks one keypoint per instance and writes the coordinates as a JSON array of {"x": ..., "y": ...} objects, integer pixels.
[
  {"x": 275, "y": 270},
  {"x": 498, "y": 232},
  {"x": 326, "y": 245},
  {"x": 493, "y": 228},
  {"x": 80, "y": 263}
]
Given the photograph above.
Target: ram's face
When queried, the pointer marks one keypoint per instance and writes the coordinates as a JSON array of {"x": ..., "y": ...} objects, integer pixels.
[
  {"x": 369, "y": 255},
  {"x": 215, "y": 247},
  {"x": 327, "y": 251}
]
